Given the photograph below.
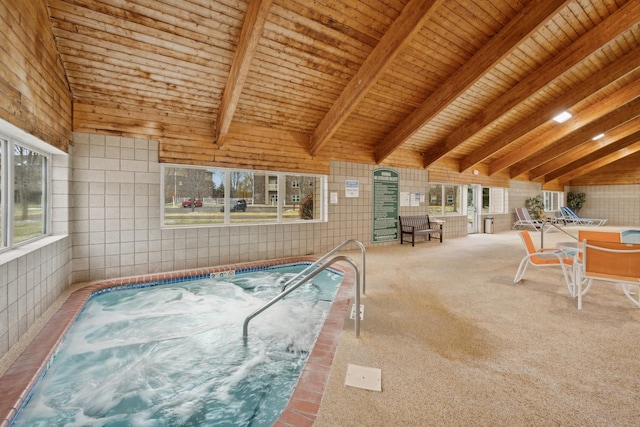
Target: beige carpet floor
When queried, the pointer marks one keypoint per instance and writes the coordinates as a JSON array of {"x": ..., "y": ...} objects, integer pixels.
[{"x": 459, "y": 345}]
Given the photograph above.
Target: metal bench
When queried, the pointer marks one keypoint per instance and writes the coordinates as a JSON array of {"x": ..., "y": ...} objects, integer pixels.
[{"x": 419, "y": 225}]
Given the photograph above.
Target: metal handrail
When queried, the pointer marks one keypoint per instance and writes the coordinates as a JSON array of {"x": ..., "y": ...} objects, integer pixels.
[
  {"x": 327, "y": 255},
  {"x": 556, "y": 226},
  {"x": 245, "y": 326}
]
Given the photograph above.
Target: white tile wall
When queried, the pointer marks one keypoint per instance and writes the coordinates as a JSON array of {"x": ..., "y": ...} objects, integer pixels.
[
  {"x": 619, "y": 204},
  {"x": 33, "y": 276},
  {"x": 117, "y": 232}
]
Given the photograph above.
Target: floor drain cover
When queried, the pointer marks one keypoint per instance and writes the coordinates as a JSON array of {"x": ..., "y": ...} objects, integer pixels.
[{"x": 364, "y": 377}]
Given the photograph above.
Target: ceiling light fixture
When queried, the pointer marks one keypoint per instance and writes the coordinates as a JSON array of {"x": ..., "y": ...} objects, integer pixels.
[
  {"x": 598, "y": 136},
  {"x": 562, "y": 117}
]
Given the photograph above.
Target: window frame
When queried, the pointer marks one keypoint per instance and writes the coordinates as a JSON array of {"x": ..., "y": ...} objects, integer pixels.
[
  {"x": 552, "y": 200},
  {"x": 7, "y": 192},
  {"x": 499, "y": 206},
  {"x": 231, "y": 218},
  {"x": 445, "y": 199}
]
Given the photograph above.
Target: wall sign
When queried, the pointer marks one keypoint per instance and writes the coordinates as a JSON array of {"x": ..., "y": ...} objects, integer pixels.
[
  {"x": 385, "y": 205},
  {"x": 351, "y": 188}
]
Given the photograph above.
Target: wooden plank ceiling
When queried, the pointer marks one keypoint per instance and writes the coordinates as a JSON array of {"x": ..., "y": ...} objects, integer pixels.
[{"x": 418, "y": 83}]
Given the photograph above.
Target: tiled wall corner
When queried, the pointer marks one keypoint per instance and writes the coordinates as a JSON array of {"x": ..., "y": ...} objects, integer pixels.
[
  {"x": 619, "y": 204},
  {"x": 31, "y": 279},
  {"x": 34, "y": 275}
]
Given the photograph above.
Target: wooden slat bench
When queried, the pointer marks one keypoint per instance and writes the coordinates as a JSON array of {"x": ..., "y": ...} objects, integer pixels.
[{"x": 419, "y": 225}]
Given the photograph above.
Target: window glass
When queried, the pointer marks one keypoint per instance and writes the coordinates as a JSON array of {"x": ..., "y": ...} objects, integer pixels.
[
  {"x": 195, "y": 196},
  {"x": 494, "y": 200},
  {"x": 452, "y": 199},
  {"x": 29, "y": 168},
  {"x": 301, "y": 198},
  {"x": 192, "y": 196},
  {"x": 435, "y": 199},
  {"x": 445, "y": 199},
  {"x": 552, "y": 200},
  {"x": 547, "y": 200},
  {"x": 486, "y": 200},
  {"x": 241, "y": 186},
  {"x": 217, "y": 198}
]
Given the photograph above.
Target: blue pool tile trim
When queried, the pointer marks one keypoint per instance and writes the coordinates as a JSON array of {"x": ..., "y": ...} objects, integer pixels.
[{"x": 173, "y": 280}]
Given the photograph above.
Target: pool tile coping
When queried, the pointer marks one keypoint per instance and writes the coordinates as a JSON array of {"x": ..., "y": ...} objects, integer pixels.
[{"x": 300, "y": 411}]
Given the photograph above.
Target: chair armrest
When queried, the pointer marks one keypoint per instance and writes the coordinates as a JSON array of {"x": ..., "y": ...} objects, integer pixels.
[{"x": 438, "y": 222}]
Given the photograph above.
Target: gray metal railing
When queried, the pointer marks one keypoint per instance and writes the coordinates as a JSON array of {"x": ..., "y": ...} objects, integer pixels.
[
  {"x": 301, "y": 278},
  {"x": 327, "y": 255},
  {"x": 553, "y": 224}
]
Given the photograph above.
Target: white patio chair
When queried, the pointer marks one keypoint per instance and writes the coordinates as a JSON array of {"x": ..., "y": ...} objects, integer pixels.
[{"x": 524, "y": 220}]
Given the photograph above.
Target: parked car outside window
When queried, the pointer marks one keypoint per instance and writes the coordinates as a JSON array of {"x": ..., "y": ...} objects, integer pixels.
[
  {"x": 240, "y": 206},
  {"x": 187, "y": 203}
]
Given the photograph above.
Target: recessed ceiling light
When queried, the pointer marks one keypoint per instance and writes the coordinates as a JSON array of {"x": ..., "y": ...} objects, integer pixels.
[
  {"x": 598, "y": 136},
  {"x": 562, "y": 117}
]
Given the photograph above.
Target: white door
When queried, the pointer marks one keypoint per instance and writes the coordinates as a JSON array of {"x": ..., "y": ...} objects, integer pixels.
[{"x": 474, "y": 198}]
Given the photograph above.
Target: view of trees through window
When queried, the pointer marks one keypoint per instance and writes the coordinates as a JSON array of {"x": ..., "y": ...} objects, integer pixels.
[
  {"x": 29, "y": 193},
  {"x": 494, "y": 200},
  {"x": 195, "y": 196},
  {"x": 444, "y": 199},
  {"x": 26, "y": 209}
]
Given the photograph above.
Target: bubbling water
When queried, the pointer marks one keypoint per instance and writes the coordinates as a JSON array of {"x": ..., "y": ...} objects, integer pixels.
[{"x": 174, "y": 355}]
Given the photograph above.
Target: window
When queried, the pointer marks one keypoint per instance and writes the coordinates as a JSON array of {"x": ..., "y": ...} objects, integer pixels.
[
  {"x": 241, "y": 197},
  {"x": 305, "y": 199},
  {"x": 210, "y": 196},
  {"x": 552, "y": 200},
  {"x": 444, "y": 199},
  {"x": 23, "y": 193},
  {"x": 494, "y": 200}
]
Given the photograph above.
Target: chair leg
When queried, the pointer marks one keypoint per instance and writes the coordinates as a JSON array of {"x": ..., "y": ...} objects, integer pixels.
[
  {"x": 521, "y": 269},
  {"x": 579, "y": 292},
  {"x": 626, "y": 288},
  {"x": 569, "y": 279}
]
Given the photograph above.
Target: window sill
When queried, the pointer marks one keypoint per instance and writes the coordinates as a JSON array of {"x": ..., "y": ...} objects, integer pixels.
[{"x": 20, "y": 251}]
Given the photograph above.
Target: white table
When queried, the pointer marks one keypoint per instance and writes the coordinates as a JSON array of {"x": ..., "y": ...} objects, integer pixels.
[{"x": 570, "y": 248}]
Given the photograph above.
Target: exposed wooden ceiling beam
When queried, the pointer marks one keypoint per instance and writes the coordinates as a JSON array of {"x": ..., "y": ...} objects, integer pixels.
[
  {"x": 613, "y": 26},
  {"x": 612, "y": 120},
  {"x": 610, "y": 137},
  {"x": 598, "y": 81},
  {"x": 252, "y": 27},
  {"x": 616, "y": 149},
  {"x": 578, "y": 121},
  {"x": 408, "y": 23},
  {"x": 154, "y": 69},
  {"x": 602, "y": 159},
  {"x": 517, "y": 30}
]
